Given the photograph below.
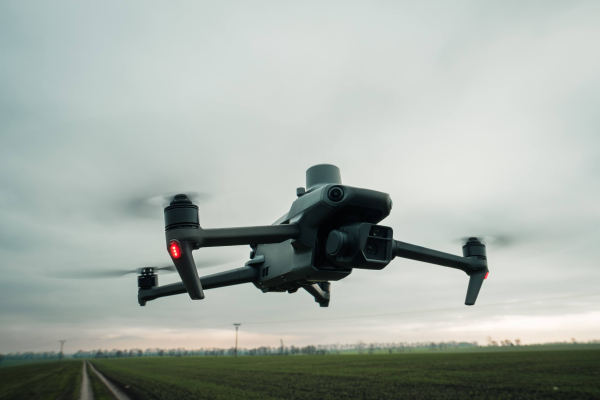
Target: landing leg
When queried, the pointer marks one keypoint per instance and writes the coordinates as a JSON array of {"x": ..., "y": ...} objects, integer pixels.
[{"x": 321, "y": 292}]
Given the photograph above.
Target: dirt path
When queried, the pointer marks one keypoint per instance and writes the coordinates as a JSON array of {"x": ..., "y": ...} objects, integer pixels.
[
  {"x": 118, "y": 393},
  {"x": 86, "y": 387}
]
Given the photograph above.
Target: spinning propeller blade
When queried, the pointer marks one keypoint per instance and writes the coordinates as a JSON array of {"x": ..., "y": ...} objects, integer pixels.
[
  {"x": 116, "y": 273},
  {"x": 109, "y": 273},
  {"x": 496, "y": 241},
  {"x": 149, "y": 206}
]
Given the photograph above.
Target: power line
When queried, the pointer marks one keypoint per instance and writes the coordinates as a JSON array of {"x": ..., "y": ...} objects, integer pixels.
[
  {"x": 236, "y": 337},
  {"x": 407, "y": 312},
  {"x": 418, "y": 311},
  {"x": 61, "y": 354}
]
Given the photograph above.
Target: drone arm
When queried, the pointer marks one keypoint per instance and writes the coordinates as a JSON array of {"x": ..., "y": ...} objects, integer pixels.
[
  {"x": 418, "y": 253},
  {"x": 186, "y": 239},
  {"x": 475, "y": 282},
  {"x": 227, "y": 278},
  {"x": 160, "y": 291},
  {"x": 248, "y": 235},
  {"x": 235, "y": 236},
  {"x": 230, "y": 278},
  {"x": 475, "y": 266},
  {"x": 186, "y": 267}
]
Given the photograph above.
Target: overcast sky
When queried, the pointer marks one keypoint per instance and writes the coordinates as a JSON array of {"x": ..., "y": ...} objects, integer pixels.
[{"x": 478, "y": 118}]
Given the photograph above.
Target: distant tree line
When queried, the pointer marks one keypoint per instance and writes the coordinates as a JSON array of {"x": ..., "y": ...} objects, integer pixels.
[
  {"x": 359, "y": 347},
  {"x": 29, "y": 355}
]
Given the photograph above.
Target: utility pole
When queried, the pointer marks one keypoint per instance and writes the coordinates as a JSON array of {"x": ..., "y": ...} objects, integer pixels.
[
  {"x": 236, "y": 337},
  {"x": 60, "y": 355}
]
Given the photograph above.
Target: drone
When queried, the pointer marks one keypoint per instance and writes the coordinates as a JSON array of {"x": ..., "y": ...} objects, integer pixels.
[{"x": 330, "y": 230}]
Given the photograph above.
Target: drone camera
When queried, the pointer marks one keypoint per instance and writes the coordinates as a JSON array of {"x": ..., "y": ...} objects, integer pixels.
[
  {"x": 372, "y": 251},
  {"x": 339, "y": 243},
  {"x": 379, "y": 231},
  {"x": 336, "y": 194},
  {"x": 360, "y": 245},
  {"x": 379, "y": 244}
]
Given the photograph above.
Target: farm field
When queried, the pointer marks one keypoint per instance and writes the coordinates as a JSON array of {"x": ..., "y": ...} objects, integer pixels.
[
  {"x": 567, "y": 374},
  {"x": 44, "y": 380},
  {"x": 560, "y": 374}
]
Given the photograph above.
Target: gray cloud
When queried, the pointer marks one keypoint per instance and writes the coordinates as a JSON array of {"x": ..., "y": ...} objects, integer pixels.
[{"x": 478, "y": 119}]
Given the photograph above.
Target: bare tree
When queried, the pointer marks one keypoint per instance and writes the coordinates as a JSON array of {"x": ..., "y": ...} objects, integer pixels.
[
  {"x": 360, "y": 346},
  {"x": 371, "y": 348}
]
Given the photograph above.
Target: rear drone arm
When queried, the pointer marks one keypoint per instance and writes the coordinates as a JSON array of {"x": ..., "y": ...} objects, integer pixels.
[
  {"x": 181, "y": 242},
  {"x": 238, "y": 276},
  {"x": 474, "y": 263}
]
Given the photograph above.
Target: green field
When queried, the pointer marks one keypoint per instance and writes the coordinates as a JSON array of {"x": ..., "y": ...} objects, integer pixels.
[
  {"x": 564, "y": 374},
  {"x": 45, "y": 380},
  {"x": 567, "y": 374},
  {"x": 99, "y": 390}
]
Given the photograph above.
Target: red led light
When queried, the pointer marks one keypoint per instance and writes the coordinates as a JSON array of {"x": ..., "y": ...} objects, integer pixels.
[
  {"x": 174, "y": 249},
  {"x": 486, "y": 274}
]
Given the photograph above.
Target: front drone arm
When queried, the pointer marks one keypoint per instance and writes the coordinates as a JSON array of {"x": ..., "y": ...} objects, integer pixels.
[
  {"x": 236, "y": 236},
  {"x": 184, "y": 234},
  {"x": 181, "y": 242},
  {"x": 418, "y": 253},
  {"x": 369, "y": 246},
  {"x": 474, "y": 263}
]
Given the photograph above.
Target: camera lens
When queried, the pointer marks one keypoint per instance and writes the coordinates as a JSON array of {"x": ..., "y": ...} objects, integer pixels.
[
  {"x": 371, "y": 249},
  {"x": 336, "y": 194}
]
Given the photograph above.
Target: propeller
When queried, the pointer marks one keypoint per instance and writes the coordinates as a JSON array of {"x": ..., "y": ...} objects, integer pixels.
[
  {"x": 151, "y": 206},
  {"x": 110, "y": 273},
  {"x": 496, "y": 241},
  {"x": 116, "y": 273}
]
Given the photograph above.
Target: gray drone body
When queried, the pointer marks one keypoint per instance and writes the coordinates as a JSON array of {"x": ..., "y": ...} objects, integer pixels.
[{"x": 330, "y": 229}]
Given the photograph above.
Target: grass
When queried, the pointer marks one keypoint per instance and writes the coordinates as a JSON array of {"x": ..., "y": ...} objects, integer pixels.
[
  {"x": 566, "y": 374},
  {"x": 15, "y": 362},
  {"x": 99, "y": 389},
  {"x": 46, "y": 380}
]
